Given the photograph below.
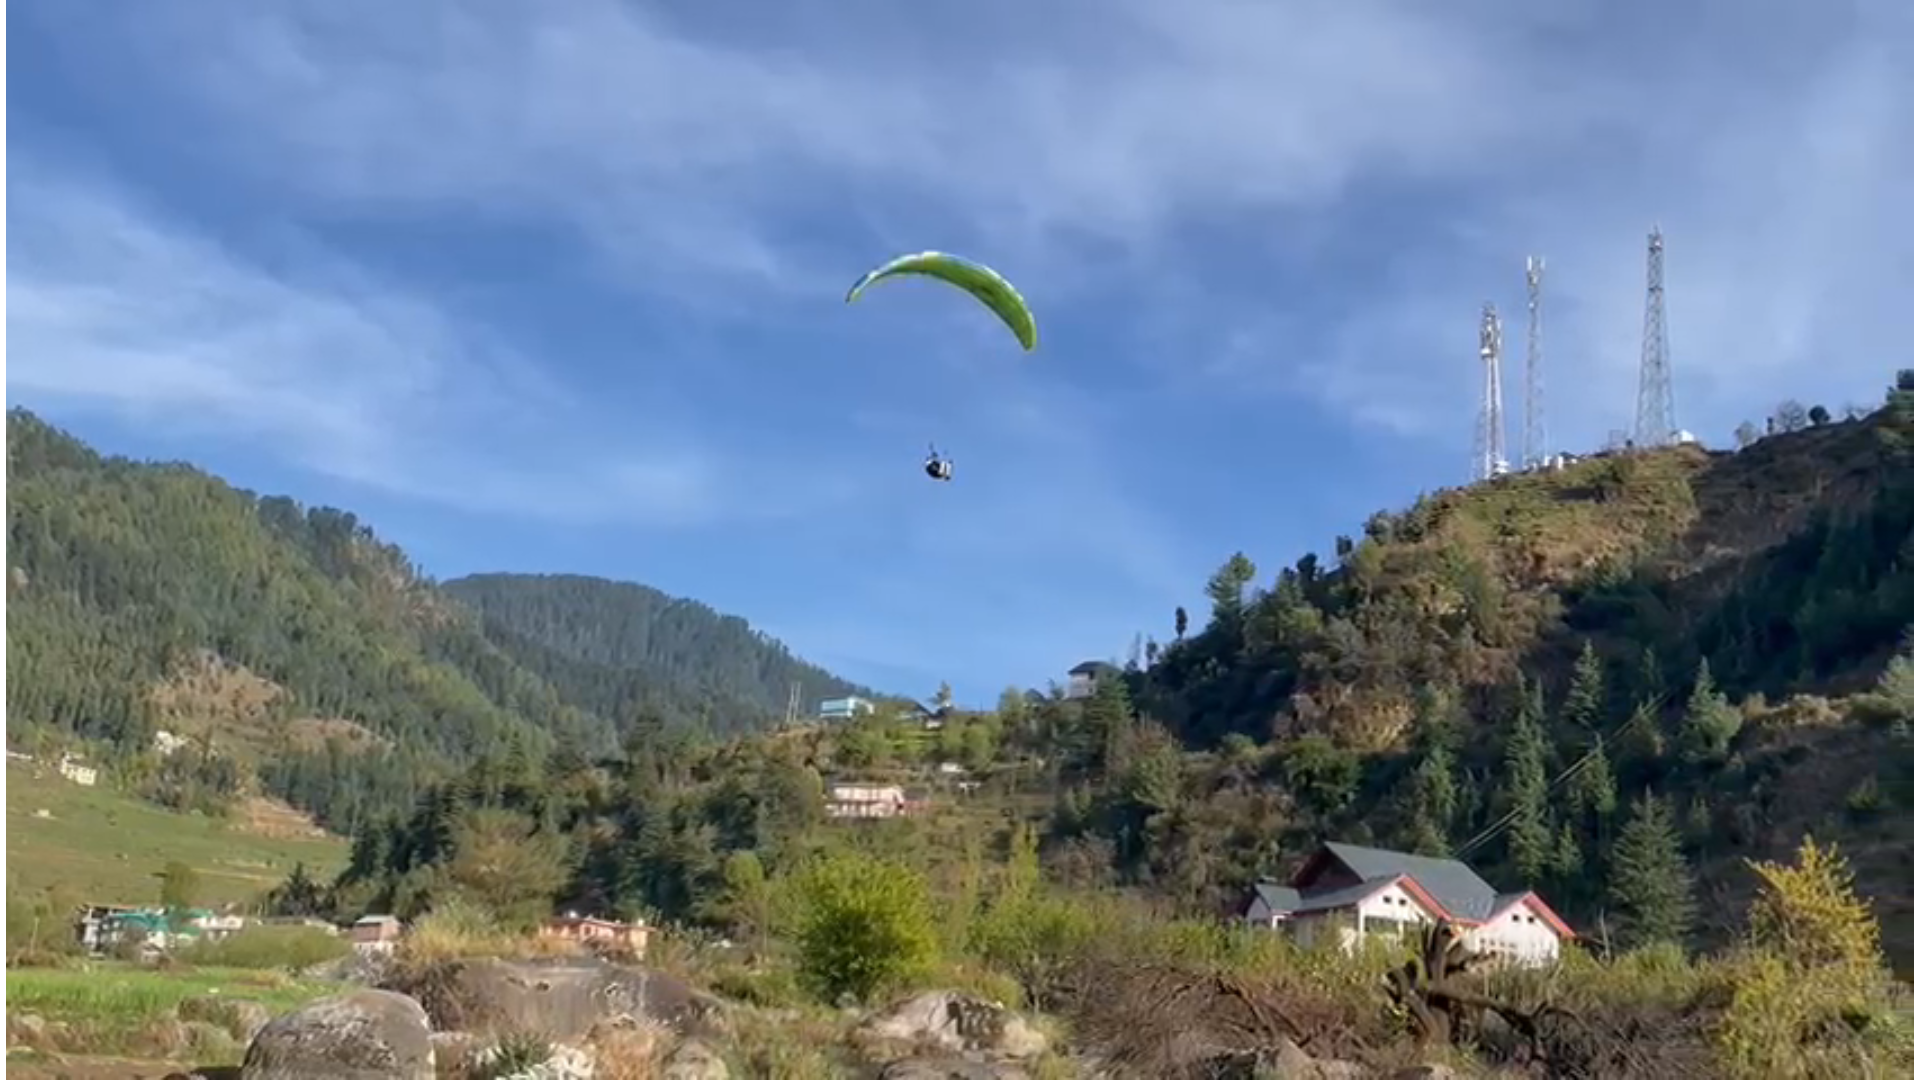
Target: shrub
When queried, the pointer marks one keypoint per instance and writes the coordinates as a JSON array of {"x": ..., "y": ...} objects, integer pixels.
[
  {"x": 864, "y": 924},
  {"x": 289, "y": 948}
]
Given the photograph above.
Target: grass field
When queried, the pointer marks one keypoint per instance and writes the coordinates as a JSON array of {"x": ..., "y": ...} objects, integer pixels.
[
  {"x": 101, "y": 846},
  {"x": 114, "y": 1009},
  {"x": 117, "y": 996}
]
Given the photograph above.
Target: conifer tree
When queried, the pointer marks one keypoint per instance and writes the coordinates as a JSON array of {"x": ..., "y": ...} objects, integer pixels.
[
  {"x": 1530, "y": 832},
  {"x": 1650, "y": 886}
]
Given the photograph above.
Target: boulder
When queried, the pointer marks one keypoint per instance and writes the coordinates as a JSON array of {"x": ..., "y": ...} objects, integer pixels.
[
  {"x": 954, "y": 1021},
  {"x": 560, "y": 1000},
  {"x": 694, "y": 1060},
  {"x": 936, "y": 1068},
  {"x": 1280, "y": 1061},
  {"x": 362, "y": 1035}
]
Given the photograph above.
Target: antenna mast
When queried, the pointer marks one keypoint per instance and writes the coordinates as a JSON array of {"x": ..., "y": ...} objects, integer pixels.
[
  {"x": 1653, "y": 420},
  {"x": 1490, "y": 450},
  {"x": 1534, "y": 451}
]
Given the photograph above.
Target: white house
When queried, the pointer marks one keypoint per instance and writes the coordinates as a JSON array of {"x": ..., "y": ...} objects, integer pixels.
[
  {"x": 78, "y": 771},
  {"x": 844, "y": 708},
  {"x": 1344, "y": 891},
  {"x": 867, "y": 801}
]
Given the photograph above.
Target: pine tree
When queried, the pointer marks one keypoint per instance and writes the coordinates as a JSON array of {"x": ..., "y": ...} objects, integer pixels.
[
  {"x": 1433, "y": 802},
  {"x": 1586, "y": 695},
  {"x": 1592, "y": 792},
  {"x": 1530, "y": 832},
  {"x": 1650, "y": 885},
  {"x": 1710, "y": 722}
]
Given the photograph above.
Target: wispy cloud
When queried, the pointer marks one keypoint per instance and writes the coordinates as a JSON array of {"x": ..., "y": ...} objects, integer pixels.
[
  {"x": 1251, "y": 230},
  {"x": 111, "y": 307},
  {"x": 1772, "y": 151}
]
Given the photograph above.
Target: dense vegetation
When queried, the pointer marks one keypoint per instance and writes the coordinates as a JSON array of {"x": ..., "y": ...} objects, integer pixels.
[
  {"x": 1597, "y": 682},
  {"x": 618, "y": 649},
  {"x": 293, "y": 646}
]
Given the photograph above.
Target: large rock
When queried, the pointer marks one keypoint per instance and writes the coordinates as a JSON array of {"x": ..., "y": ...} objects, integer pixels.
[
  {"x": 1280, "y": 1061},
  {"x": 694, "y": 1060},
  {"x": 932, "y": 1068},
  {"x": 560, "y": 1000},
  {"x": 362, "y": 1035},
  {"x": 953, "y": 1021}
]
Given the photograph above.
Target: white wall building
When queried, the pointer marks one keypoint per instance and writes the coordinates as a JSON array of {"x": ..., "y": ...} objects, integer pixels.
[{"x": 1345, "y": 893}]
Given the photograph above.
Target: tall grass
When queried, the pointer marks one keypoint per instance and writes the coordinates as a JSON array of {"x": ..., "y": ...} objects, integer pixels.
[{"x": 115, "y": 998}]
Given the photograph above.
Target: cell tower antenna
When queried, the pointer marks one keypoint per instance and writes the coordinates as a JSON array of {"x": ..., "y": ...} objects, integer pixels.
[
  {"x": 1653, "y": 420},
  {"x": 1534, "y": 450},
  {"x": 1490, "y": 449}
]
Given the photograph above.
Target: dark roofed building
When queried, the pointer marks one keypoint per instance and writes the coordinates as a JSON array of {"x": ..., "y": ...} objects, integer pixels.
[{"x": 1084, "y": 676}]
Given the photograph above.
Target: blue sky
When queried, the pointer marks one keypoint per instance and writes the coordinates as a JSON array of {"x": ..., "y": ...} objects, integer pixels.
[{"x": 557, "y": 287}]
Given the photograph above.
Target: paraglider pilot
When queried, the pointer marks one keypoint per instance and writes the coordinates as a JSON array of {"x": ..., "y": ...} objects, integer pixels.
[{"x": 938, "y": 468}]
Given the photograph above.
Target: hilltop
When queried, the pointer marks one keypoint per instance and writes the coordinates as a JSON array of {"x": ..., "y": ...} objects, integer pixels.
[{"x": 297, "y": 653}]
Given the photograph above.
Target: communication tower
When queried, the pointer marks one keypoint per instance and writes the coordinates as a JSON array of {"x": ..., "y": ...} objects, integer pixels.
[
  {"x": 1490, "y": 450},
  {"x": 1653, "y": 419},
  {"x": 1533, "y": 450}
]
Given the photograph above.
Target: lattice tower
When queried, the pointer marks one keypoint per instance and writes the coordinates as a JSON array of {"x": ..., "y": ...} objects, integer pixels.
[
  {"x": 1653, "y": 420},
  {"x": 1490, "y": 450},
  {"x": 1533, "y": 449}
]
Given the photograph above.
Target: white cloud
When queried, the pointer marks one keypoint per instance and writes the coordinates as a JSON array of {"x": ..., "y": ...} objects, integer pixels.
[
  {"x": 1772, "y": 151},
  {"x": 110, "y": 308}
]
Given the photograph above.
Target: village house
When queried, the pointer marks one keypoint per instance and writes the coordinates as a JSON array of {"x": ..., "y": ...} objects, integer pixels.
[
  {"x": 100, "y": 927},
  {"x": 78, "y": 771},
  {"x": 868, "y": 801},
  {"x": 1345, "y": 892},
  {"x": 1084, "y": 677},
  {"x": 588, "y": 930},
  {"x": 374, "y": 933}
]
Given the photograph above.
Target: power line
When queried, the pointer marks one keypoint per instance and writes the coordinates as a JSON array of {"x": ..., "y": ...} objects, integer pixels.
[{"x": 1496, "y": 828}]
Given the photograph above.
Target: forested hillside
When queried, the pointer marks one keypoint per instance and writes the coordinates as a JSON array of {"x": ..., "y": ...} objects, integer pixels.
[
  {"x": 1616, "y": 683},
  {"x": 617, "y": 649},
  {"x": 296, "y": 649}
]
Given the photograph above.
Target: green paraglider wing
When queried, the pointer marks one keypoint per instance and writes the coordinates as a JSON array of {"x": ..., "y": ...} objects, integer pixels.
[{"x": 986, "y": 286}]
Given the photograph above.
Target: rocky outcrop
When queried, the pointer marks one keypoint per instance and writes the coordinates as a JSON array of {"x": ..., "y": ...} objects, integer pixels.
[
  {"x": 694, "y": 1060},
  {"x": 932, "y": 1068},
  {"x": 951, "y": 1021},
  {"x": 362, "y": 1035},
  {"x": 560, "y": 1000}
]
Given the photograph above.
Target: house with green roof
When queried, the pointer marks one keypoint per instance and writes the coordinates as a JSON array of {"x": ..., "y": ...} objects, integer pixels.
[{"x": 1347, "y": 893}]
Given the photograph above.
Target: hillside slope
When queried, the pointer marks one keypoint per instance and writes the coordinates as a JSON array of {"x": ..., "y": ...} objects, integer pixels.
[
  {"x": 97, "y": 845},
  {"x": 293, "y": 645},
  {"x": 619, "y": 649},
  {"x": 1736, "y": 611}
]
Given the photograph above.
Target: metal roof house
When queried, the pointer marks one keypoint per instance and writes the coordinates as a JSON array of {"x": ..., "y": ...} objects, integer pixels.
[
  {"x": 1347, "y": 891},
  {"x": 1083, "y": 677}
]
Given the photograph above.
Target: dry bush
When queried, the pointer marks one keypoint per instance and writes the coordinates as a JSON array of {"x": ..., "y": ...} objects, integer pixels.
[
  {"x": 455, "y": 930},
  {"x": 1157, "y": 1018},
  {"x": 628, "y": 1051}
]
